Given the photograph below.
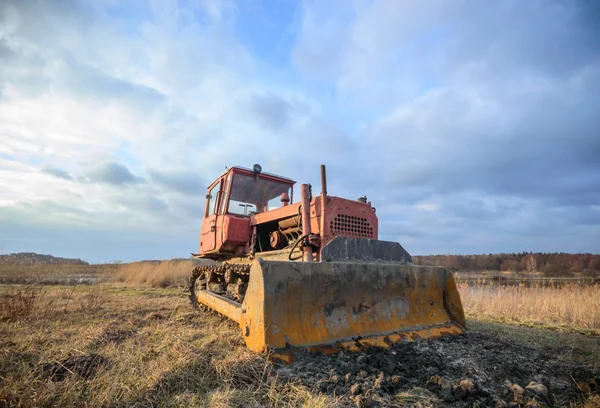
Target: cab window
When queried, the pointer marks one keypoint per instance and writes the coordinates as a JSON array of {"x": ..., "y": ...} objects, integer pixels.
[
  {"x": 225, "y": 191},
  {"x": 250, "y": 195},
  {"x": 212, "y": 200}
]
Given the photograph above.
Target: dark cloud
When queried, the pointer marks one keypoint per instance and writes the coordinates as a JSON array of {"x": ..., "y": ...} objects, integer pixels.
[
  {"x": 113, "y": 173},
  {"x": 192, "y": 210},
  {"x": 184, "y": 182},
  {"x": 504, "y": 140},
  {"x": 20, "y": 68},
  {"x": 33, "y": 62},
  {"x": 52, "y": 20},
  {"x": 271, "y": 110},
  {"x": 6, "y": 51},
  {"x": 538, "y": 146},
  {"x": 97, "y": 86},
  {"x": 146, "y": 203},
  {"x": 56, "y": 172},
  {"x": 154, "y": 204},
  {"x": 542, "y": 38}
]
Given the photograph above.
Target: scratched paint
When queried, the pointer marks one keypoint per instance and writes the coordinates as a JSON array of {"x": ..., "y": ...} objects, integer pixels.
[{"x": 312, "y": 304}]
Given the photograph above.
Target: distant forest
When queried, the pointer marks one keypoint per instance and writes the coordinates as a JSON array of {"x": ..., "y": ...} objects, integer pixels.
[
  {"x": 551, "y": 264},
  {"x": 31, "y": 258}
]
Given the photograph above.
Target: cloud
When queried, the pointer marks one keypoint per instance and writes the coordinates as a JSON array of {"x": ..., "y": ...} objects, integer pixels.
[
  {"x": 271, "y": 110},
  {"x": 101, "y": 88},
  {"x": 113, "y": 173},
  {"x": 56, "y": 172},
  {"x": 470, "y": 127},
  {"x": 184, "y": 182}
]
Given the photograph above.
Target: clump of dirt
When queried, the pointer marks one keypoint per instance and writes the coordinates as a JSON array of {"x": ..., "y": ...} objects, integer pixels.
[
  {"x": 84, "y": 366},
  {"x": 461, "y": 371}
]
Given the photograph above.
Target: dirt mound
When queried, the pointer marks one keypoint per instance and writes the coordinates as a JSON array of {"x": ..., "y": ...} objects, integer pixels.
[{"x": 460, "y": 371}]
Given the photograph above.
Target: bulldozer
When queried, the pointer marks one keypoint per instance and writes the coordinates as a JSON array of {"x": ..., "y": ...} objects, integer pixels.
[{"x": 312, "y": 274}]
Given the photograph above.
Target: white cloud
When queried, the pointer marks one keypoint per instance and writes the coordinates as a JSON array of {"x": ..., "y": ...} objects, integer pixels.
[{"x": 117, "y": 115}]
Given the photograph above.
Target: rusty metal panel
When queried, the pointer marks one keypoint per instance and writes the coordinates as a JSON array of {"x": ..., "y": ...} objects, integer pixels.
[
  {"x": 362, "y": 249},
  {"x": 294, "y": 304},
  {"x": 236, "y": 230},
  {"x": 275, "y": 214},
  {"x": 222, "y": 305},
  {"x": 349, "y": 219}
]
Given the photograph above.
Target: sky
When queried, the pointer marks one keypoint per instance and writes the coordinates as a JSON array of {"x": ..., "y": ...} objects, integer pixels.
[{"x": 472, "y": 126}]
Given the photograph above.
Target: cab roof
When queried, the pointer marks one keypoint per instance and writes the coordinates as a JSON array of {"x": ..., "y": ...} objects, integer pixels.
[{"x": 262, "y": 172}]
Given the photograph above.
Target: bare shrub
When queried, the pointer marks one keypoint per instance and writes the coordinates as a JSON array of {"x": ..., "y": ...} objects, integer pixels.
[{"x": 18, "y": 302}]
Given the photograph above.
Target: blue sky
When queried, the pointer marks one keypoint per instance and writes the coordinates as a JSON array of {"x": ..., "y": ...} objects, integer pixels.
[{"x": 472, "y": 126}]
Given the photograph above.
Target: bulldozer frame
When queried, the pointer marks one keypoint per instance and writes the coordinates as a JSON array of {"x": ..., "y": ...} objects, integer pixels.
[{"x": 313, "y": 274}]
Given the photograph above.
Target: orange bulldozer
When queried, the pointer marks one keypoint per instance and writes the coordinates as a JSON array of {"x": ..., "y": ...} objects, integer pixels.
[{"x": 313, "y": 274}]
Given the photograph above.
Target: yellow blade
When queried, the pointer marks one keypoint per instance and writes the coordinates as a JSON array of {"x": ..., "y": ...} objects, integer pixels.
[{"x": 347, "y": 304}]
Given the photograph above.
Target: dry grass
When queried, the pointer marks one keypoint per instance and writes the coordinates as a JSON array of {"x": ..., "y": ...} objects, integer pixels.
[
  {"x": 416, "y": 397},
  {"x": 123, "y": 346},
  {"x": 567, "y": 306},
  {"x": 155, "y": 274},
  {"x": 592, "y": 402},
  {"x": 18, "y": 302},
  {"x": 110, "y": 345},
  {"x": 21, "y": 302}
]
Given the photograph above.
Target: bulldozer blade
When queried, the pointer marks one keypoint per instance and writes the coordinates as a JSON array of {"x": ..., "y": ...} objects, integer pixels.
[{"x": 347, "y": 305}]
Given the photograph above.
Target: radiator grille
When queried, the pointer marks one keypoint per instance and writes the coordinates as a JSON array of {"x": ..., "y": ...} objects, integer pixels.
[{"x": 350, "y": 225}]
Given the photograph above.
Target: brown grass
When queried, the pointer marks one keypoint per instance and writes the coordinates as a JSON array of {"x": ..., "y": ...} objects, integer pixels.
[
  {"x": 567, "y": 306},
  {"x": 18, "y": 302},
  {"x": 21, "y": 302},
  {"x": 592, "y": 402},
  {"x": 113, "y": 345},
  {"x": 155, "y": 274},
  {"x": 105, "y": 345}
]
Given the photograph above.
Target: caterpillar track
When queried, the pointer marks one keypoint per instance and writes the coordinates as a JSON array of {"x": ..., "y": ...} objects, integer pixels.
[{"x": 227, "y": 280}]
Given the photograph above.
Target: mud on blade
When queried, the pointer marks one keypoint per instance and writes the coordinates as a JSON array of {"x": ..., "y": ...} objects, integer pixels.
[{"x": 335, "y": 303}]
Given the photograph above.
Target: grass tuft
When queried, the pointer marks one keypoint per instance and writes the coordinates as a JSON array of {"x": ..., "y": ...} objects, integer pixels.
[
  {"x": 18, "y": 302},
  {"x": 417, "y": 397}
]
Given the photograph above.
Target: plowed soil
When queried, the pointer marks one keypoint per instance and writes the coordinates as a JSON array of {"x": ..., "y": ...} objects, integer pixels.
[{"x": 474, "y": 369}]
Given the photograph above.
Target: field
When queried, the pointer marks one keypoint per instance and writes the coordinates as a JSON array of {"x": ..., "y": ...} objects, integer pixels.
[
  {"x": 570, "y": 307},
  {"x": 132, "y": 339}
]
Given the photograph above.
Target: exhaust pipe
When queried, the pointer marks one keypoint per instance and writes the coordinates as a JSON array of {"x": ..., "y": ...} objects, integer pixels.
[
  {"x": 304, "y": 196},
  {"x": 323, "y": 204}
]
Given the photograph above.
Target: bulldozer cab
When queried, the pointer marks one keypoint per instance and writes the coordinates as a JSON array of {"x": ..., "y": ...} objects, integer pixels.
[{"x": 232, "y": 199}]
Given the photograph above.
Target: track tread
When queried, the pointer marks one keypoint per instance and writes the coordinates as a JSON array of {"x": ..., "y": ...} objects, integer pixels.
[{"x": 217, "y": 276}]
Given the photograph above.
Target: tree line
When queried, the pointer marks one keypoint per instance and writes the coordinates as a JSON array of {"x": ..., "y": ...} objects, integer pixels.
[
  {"x": 31, "y": 258},
  {"x": 551, "y": 264}
]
